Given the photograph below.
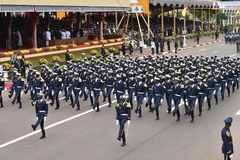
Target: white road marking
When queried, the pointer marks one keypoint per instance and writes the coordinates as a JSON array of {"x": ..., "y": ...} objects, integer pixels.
[
  {"x": 233, "y": 55},
  {"x": 238, "y": 113},
  {"x": 215, "y": 52},
  {"x": 202, "y": 49},
  {"x": 51, "y": 126}
]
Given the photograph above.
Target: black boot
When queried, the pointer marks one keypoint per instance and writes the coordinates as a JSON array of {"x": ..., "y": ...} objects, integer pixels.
[
  {"x": 222, "y": 98},
  {"x": 43, "y": 134},
  {"x": 209, "y": 103},
  {"x": 169, "y": 111},
  {"x": 216, "y": 98}
]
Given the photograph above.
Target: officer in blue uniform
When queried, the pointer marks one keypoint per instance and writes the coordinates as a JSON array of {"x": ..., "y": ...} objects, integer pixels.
[
  {"x": 150, "y": 83},
  {"x": 217, "y": 86},
  {"x": 41, "y": 108},
  {"x": 77, "y": 82},
  {"x": 96, "y": 90},
  {"x": 69, "y": 86},
  {"x": 224, "y": 78},
  {"x": 18, "y": 89},
  {"x": 37, "y": 85},
  {"x": 202, "y": 94},
  {"x": 130, "y": 84},
  {"x": 123, "y": 115},
  {"x": 109, "y": 82},
  {"x": 56, "y": 90},
  {"x": 177, "y": 96},
  {"x": 168, "y": 83},
  {"x": 158, "y": 96},
  {"x": 2, "y": 88},
  {"x": 227, "y": 146},
  {"x": 140, "y": 93},
  {"x": 13, "y": 84},
  {"x": 192, "y": 98},
  {"x": 184, "y": 94},
  {"x": 210, "y": 81},
  {"x": 119, "y": 87}
]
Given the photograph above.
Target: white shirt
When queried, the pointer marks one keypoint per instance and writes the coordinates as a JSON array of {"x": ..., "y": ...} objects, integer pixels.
[
  {"x": 63, "y": 33},
  {"x": 48, "y": 35}
]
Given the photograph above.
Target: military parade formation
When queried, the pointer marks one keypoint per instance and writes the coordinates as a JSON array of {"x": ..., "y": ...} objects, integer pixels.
[{"x": 182, "y": 81}]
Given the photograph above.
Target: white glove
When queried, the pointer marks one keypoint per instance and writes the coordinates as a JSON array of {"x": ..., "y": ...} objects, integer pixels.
[
  {"x": 135, "y": 98},
  {"x": 80, "y": 92},
  {"x": 52, "y": 92},
  {"x": 46, "y": 88},
  {"x": 72, "y": 93},
  {"x": 172, "y": 102},
  {"x": 14, "y": 92},
  {"x": 232, "y": 82},
  {"x": 205, "y": 100},
  {"x": 214, "y": 92},
  {"x": 113, "y": 90},
  {"x": 152, "y": 101},
  {"x": 226, "y": 84},
  {"x": 33, "y": 91},
  {"x": 128, "y": 123},
  {"x": 145, "y": 99},
  {"x": 105, "y": 90},
  {"x": 220, "y": 88},
  {"x": 196, "y": 102},
  {"x": 21, "y": 92},
  {"x": 45, "y": 118},
  {"x": 115, "y": 96},
  {"x": 85, "y": 89},
  {"x": 181, "y": 101},
  {"x": 161, "y": 101},
  {"x": 44, "y": 84},
  {"x": 231, "y": 156},
  {"x": 100, "y": 93},
  {"x": 117, "y": 123},
  {"x": 59, "y": 92},
  {"x": 27, "y": 85},
  {"x": 91, "y": 93},
  {"x": 237, "y": 79},
  {"x": 187, "y": 103}
]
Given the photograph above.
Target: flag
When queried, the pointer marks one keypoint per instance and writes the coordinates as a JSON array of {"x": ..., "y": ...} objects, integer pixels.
[{"x": 184, "y": 11}]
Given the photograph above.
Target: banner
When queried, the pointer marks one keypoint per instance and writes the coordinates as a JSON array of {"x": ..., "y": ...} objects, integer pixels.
[
  {"x": 136, "y": 9},
  {"x": 226, "y": 5},
  {"x": 144, "y": 4}
]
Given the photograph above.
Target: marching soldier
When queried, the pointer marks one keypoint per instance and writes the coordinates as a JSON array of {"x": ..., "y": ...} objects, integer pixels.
[
  {"x": 123, "y": 115},
  {"x": 168, "y": 84},
  {"x": 18, "y": 89},
  {"x": 140, "y": 94},
  {"x": 119, "y": 87},
  {"x": 109, "y": 82},
  {"x": 210, "y": 81},
  {"x": 56, "y": 90},
  {"x": 192, "y": 98},
  {"x": 218, "y": 82},
  {"x": 77, "y": 82},
  {"x": 11, "y": 92},
  {"x": 177, "y": 97},
  {"x": 158, "y": 96},
  {"x": 96, "y": 90},
  {"x": 202, "y": 94},
  {"x": 150, "y": 84},
  {"x": 41, "y": 108},
  {"x": 37, "y": 85},
  {"x": 230, "y": 79},
  {"x": 224, "y": 77},
  {"x": 69, "y": 87}
]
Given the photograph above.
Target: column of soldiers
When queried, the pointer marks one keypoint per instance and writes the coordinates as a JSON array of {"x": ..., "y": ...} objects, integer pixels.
[{"x": 188, "y": 82}]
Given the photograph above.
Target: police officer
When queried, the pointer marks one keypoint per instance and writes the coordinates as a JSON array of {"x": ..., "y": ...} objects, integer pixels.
[
  {"x": 119, "y": 87},
  {"x": 168, "y": 84},
  {"x": 227, "y": 146},
  {"x": 41, "y": 108},
  {"x": 109, "y": 82},
  {"x": 202, "y": 94},
  {"x": 123, "y": 115},
  {"x": 37, "y": 85},
  {"x": 177, "y": 97},
  {"x": 56, "y": 89}
]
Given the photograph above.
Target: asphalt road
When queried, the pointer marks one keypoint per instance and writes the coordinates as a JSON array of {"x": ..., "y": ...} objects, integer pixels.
[{"x": 86, "y": 134}]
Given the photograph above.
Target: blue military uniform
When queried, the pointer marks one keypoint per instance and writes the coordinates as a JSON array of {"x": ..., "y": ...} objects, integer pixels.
[
  {"x": 150, "y": 84},
  {"x": 77, "y": 82},
  {"x": 119, "y": 87},
  {"x": 177, "y": 96},
  {"x": 18, "y": 87},
  {"x": 227, "y": 146},
  {"x": 168, "y": 84},
  {"x": 140, "y": 93},
  {"x": 109, "y": 82},
  {"x": 158, "y": 96},
  {"x": 202, "y": 94},
  {"x": 56, "y": 89},
  {"x": 41, "y": 108},
  {"x": 123, "y": 114},
  {"x": 130, "y": 88}
]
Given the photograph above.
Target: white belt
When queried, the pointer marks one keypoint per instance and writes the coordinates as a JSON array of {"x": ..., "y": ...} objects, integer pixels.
[
  {"x": 120, "y": 91},
  {"x": 150, "y": 89},
  {"x": 98, "y": 89},
  {"x": 124, "y": 114},
  {"x": 158, "y": 95},
  {"x": 201, "y": 93},
  {"x": 42, "y": 111},
  {"x": 178, "y": 95},
  {"x": 76, "y": 88},
  {"x": 132, "y": 87},
  {"x": 210, "y": 88},
  {"x": 169, "y": 89},
  {"x": 109, "y": 85},
  {"x": 19, "y": 86},
  {"x": 140, "y": 92},
  {"x": 37, "y": 88}
]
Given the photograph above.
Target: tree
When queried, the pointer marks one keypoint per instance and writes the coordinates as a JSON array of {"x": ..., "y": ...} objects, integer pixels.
[{"x": 220, "y": 17}]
